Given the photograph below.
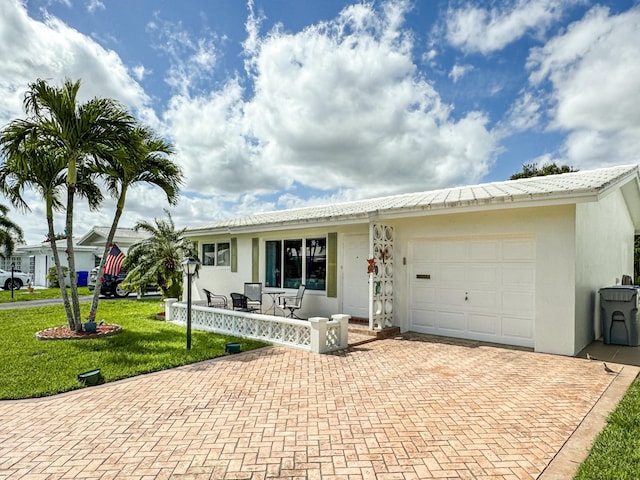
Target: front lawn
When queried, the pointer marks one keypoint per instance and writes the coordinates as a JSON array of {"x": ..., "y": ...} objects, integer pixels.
[
  {"x": 615, "y": 454},
  {"x": 24, "y": 295},
  {"x": 34, "y": 368}
]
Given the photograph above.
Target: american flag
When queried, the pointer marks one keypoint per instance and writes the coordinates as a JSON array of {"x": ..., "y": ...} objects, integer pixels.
[{"x": 114, "y": 261}]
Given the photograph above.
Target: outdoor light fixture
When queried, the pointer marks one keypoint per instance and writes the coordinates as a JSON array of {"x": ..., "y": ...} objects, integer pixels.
[{"x": 189, "y": 265}]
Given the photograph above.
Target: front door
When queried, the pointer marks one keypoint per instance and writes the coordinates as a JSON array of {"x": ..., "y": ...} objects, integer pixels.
[{"x": 355, "y": 279}]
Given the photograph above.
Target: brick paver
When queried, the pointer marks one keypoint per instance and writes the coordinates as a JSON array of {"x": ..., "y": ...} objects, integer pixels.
[{"x": 410, "y": 408}]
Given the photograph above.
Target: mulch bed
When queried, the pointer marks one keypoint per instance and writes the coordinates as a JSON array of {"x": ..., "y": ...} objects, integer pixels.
[{"x": 65, "y": 333}]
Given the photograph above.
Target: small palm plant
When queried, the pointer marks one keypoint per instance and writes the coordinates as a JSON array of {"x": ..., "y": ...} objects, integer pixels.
[{"x": 157, "y": 259}]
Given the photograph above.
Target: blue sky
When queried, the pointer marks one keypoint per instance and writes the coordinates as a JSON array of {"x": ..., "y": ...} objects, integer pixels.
[{"x": 276, "y": 104}]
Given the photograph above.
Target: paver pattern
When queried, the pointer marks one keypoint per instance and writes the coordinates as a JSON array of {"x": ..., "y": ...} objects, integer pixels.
[{"x": 404, "y": 408}]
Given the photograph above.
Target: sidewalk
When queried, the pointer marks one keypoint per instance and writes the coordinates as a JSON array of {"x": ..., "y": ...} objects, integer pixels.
[{"x": 40, "y": 303}]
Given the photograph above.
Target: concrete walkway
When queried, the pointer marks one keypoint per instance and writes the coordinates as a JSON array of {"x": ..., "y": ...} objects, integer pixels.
[{"x": 413, "y": 407}]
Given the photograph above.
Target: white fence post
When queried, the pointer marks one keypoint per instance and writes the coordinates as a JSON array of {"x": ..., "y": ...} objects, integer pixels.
[
  {"x": 318, "y": 334},
  {"x": 344, "y": 328},
  {"x": 167, "y": 308}
]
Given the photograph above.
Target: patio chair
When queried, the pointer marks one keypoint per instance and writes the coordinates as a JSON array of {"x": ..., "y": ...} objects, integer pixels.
[
  {"x": 292, "y": 302},
  {"x": 239, "y": 302},
  {"x": 214, "y": 300},
  {"x": 253, "y": 292}
]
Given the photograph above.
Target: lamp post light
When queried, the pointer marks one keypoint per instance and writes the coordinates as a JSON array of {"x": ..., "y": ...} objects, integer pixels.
[{"x": 189, "y": 265}]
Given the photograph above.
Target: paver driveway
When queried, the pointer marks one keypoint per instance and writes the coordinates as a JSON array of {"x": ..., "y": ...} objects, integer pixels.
[{"x": 409, "y": 408}]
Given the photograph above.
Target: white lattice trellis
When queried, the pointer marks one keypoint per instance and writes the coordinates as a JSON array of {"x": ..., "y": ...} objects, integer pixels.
[{"x": 381, "y": 311}]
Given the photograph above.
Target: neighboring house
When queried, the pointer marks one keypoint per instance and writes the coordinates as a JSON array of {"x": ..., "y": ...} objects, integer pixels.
[
  {"x": 516, "y": 262},
  {"x": 36, "y": 259}
]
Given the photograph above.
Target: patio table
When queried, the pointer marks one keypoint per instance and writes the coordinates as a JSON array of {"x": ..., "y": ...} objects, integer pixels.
[{"x": 274, "y": 295}]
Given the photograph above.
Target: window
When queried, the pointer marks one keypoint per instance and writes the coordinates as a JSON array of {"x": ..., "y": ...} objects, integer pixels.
[
  {"x": 5, "y": 263},
  {"x": 218, "y": 254},
  {"x": 316, "y": 261},
  {"x": 290, "y": 263}
]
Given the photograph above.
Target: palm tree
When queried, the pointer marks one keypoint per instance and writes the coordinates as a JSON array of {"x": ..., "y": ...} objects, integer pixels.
[
  {"x": 43, "y": 169},
  {"x": 10, "y": 233},
  {"x": 144, "y": 160},
  {"x": 79, "y": 134},
  {"x": 157, "y": 259}
]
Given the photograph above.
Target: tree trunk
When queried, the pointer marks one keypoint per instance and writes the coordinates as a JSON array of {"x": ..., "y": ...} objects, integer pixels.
[
  {"x": 98, "y": 285},
  {"x": 71, "y": 190},
  {"x": 56, "y": 258}
]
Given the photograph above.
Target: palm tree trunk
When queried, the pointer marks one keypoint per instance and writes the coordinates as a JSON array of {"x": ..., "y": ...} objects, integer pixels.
[
  {"x": 56, "y": 258},
  {"x": 98, "y": 285},
  {"x": 75, "y": 302}
]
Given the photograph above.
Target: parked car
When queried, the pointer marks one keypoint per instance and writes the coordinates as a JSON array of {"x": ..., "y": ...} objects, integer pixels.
[
  {"x": 19, "y": 279},
  {"x": 110, "y": 285}
]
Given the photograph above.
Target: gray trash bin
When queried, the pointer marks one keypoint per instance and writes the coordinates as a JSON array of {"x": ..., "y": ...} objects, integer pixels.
[{"x": 619, "y": 315}]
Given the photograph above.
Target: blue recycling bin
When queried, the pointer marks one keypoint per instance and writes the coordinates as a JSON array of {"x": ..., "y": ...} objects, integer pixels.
[{"x": 83, "y": 279}]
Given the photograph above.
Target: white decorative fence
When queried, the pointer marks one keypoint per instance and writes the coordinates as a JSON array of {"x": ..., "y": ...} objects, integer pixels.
[{"x": 317, "y": 335}]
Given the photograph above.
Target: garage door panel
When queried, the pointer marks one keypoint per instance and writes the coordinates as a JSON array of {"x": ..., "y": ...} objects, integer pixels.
[
  {"x": 450, "y": 297},
  {"x": 519, "y": 303},
  {"x": 484, "y": 324},
  {"x": 481, "y": 273},
  {"x": 424, "y": 318},
  {"x": 452, "y": 321},
  {"x": 520, "y": 274},
  {"x": 478, "y": 289},
  {"x": 452, "y": 273},
  {"x": 483, "y": 299},
  {"x": 451, "y": 251},
  {"x": 517, "y": 327},
  {"x": 424, "y": 295}
]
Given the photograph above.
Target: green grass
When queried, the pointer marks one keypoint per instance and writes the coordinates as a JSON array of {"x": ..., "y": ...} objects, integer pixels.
[
  {"x": 24, "y": 295},
  {"x": 616, "y": 451},
  {"x": 34, "y": 368}
]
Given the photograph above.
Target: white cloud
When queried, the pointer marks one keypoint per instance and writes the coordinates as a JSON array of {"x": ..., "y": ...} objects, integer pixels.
[
  {"x": 94, "y": 5},
  {"x": 139, "y": 72},
  {"x": 192, "y": 60},
  {"x": 459, "y": 71},
  {"x": 51, "y": 50},
  {"x": 525, "y": 113},
  {"x": 338, "y": 108},
  {"x": 594, "y": 78},
  {"x": 477, "y": 29}
]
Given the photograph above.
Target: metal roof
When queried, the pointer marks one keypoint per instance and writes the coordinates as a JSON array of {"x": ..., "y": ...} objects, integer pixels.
[{"x": 552, "y": 189}]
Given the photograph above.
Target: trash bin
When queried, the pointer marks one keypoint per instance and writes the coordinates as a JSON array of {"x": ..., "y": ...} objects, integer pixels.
[
  {"x": 619, "y": 315},
  {"x": 83, "y": 279}
]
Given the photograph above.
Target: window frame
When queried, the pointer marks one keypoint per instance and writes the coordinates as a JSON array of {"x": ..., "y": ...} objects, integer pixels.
[
  {"x": 284, "y": 255},
  {"x": 215, "y": 254}
]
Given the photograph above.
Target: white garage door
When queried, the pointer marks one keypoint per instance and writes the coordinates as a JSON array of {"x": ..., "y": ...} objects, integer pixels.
[{"x": 481, "y": 289}]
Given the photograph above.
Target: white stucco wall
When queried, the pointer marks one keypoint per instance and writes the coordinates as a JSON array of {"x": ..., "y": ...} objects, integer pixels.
[
  {"x": 604, "y": 252},
  {"x": 553, "y": 229},
  {"x": 222, "y": 280},
  {"x": 579, "y": 248}
]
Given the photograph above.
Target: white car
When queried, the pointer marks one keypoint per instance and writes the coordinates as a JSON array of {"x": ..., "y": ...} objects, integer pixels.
[{"x": 19, "y": 279}]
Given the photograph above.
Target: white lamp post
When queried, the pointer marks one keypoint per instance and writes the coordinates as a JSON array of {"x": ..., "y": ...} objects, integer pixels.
[{"x": 189, "y": 265}]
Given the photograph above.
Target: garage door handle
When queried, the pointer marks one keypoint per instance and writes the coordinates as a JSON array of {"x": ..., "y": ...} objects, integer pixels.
[{"x": 423, "y": 276}]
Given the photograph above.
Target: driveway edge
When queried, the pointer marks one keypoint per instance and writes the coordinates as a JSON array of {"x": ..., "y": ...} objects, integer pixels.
[{"x": 565, "y": 463}]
